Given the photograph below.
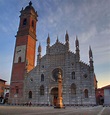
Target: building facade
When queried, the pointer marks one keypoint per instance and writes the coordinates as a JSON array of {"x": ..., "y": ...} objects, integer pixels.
[
  {"x": 107, "y": 95},
  {"x": 2, "y": 90},
  {"x": 103, "y": 95},
  {"x": 39, "y": 84},
  {"x": 100, "y": 96},
  {"x": 6, "y": 93}
]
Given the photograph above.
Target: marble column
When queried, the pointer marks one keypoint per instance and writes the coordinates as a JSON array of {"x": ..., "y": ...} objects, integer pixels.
[{"x": 60, "y": 98}]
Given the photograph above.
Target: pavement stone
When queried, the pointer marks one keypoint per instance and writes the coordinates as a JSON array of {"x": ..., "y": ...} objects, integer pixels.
[{"x": 24, "y": 110}]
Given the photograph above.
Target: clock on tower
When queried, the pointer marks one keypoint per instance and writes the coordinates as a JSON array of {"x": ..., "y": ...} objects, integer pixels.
[{"x": 20, "y": 54}]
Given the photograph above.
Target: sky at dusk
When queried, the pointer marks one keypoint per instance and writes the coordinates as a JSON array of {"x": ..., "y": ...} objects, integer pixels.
[{"x": 88, "y": 19}]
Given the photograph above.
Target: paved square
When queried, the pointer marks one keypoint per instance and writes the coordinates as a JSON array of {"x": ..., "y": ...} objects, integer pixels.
[{"x": 23, "y": 110}]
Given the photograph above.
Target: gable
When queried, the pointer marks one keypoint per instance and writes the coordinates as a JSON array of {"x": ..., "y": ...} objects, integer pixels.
[{"x": 57, "y": 48}]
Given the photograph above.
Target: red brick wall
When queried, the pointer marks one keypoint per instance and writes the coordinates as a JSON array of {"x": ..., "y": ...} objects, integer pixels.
[
  {"x": 26, "y": 35},
  {"x": 31, "y": 49}
]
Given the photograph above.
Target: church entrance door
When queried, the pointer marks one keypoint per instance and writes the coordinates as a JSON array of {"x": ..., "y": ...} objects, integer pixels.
[
  {"x": 54, "y": 93},
  {"x": 55, "y": 100}
]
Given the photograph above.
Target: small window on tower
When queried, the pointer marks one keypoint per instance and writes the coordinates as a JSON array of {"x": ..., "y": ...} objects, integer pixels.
[
  {"x": 25, "y": 21},
  {"x": 33, "y": 23},
  {"x": 85, "y": 75},
  {"x": 42, "y": 66},
  {"x": 41, "y": 90},
  {"x": 86, "y": 93},
  {"x": 30, "y": 94},
  {"x": 42, "y": 77},
  {"x": 73, "y": 89},
  {"x": 73, "y": 75},
  {"x": 72, "y": 63},
  {"x": 31, "y": 80},
  {"x": 17, "y": 90},
  {"x": 19, "y": 59}
]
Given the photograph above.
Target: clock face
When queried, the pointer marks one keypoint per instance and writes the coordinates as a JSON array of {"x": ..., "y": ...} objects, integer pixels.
[{"x": 20, "y": 53}]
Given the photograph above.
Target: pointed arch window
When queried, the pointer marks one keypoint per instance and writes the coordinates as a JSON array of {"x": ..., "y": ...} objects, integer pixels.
[
  {"x": 17, "y": 90},
  {"x": 30, "y": 94},
  {"x": 73, "y": 75},
  {"x": 73, "y": 89},
  {"x": 19, "y": 59},
  {"x": 41, "y": 90},
  {"x": 24, "y": 21},
  {"x": 86, "y": 93},
  {"x": 85, "y": 75},
  {"x": 33, "y": 23},
  {"x": 42, "y": 77}
]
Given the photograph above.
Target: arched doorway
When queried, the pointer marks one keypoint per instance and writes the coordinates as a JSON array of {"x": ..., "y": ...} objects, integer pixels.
[{"x": 54, "y": 93}]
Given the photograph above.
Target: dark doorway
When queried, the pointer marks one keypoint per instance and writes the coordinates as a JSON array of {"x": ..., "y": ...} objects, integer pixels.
[
  {"x": 54, "y": 93},
  {"x": 55, "y": 100}
]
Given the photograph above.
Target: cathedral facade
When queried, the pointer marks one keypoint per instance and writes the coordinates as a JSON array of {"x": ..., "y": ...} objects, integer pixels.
[{"x": 39, "y": 84}]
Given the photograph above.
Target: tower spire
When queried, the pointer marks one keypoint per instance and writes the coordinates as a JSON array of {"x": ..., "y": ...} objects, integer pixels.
[
  {"x": 48, "y": 40},
  {"x": 66, "y": 37},
  {"x": 57, "y": 39},
  {"x": 77, "y": 42},
  {"x": 67, "y": 41},
  {"x": 90, "y": 53},
  {"x": 39, "y": 54},
  {"x": 91, "y": 59},
  {"x": 77, "y": 49},
  {"x": 39, "y": 48},
  {"x": 48, "y": 44}
]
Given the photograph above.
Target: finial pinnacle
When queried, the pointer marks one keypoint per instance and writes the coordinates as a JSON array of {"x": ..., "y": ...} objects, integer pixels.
[
  {"x": 48, "y": 39},
  {"x": 77, "y": 42},
  {"x": 30, "y": 3},
  {"x": 89, "y": 47},
  {"x": 76, "y": 37},
  {"x": 39, "y": 47},
  {"x": 67, "y": 36},
  {"x": 48, "y": 34},
  {"x": 57, "y": 39},
  {"x": 90, "y": 52},
  {"x": 66, "y": 32}
]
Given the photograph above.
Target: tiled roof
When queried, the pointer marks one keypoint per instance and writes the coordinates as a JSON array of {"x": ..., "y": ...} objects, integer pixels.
[
  {"x": 2, "y": 80},
  {"x": 106, "y": 87}
]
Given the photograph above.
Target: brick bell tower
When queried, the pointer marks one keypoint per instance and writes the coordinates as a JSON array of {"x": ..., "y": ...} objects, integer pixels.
[{"x": 24, "y": 53}]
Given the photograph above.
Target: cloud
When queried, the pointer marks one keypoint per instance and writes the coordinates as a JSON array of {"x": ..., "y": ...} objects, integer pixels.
[
  {"x": 89, "y": 20},
  {"x": 88, "y": 35},
  {"x": 83, "y": 20}
]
